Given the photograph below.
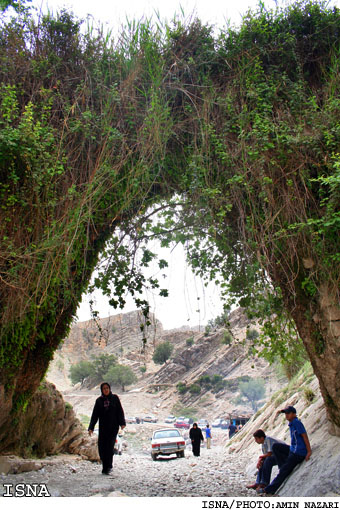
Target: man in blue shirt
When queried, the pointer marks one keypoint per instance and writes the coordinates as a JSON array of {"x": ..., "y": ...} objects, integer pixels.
[
  {"x": 208, "y": 436},
  {"x": 289, "y": 456}
]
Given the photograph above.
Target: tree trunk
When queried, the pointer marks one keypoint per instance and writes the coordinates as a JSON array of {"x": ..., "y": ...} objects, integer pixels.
[{"x": 318, "y": 322}]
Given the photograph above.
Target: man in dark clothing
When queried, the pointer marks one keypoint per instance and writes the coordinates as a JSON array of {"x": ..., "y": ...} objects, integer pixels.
[
  {"x": 232, "y": 430},
  {"x": 289, "y": 456},
  {"x": 109, "y": 411},
  {"x": 196, "y": 437}
]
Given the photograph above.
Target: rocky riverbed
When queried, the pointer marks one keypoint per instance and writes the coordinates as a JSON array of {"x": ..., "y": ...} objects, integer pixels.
[{"x": 214, "y": 474}]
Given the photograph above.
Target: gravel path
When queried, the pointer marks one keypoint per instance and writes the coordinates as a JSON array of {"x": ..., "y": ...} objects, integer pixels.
[{"x": 215, "y": 473}]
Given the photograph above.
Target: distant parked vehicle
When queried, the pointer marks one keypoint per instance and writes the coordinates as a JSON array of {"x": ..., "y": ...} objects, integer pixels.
[
  {"x": 133, "y": 419},
  {"x": 167, "y": 442},
  {"x": 217, "y": 423},
  {"x": 150, "y": 418},
  {"x": 181, "y": 425},
  {"x": 202, "y": 424},
  {"x": 224, "y": 424},
  {"x": 130, "y": 419},
  {"x": 170, "y": 419}
]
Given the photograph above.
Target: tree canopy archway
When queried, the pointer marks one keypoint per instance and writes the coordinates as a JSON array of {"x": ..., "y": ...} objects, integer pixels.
[{"x": 242, "y": 130}]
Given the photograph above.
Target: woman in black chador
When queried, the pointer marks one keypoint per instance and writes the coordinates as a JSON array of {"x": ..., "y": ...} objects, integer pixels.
[
  {"x": 109, "y": 411},
  {"x": 196, "y": 437}
]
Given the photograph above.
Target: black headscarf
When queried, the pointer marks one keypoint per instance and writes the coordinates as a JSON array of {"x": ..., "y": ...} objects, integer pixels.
[{"x": 101, "y": 388}]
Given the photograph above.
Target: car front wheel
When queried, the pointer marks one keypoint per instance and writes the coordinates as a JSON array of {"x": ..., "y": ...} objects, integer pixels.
[{"x": 154, "y": 456}]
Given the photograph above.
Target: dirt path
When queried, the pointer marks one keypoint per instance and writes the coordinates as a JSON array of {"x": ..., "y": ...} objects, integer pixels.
[{"x": 213, "y": 474}]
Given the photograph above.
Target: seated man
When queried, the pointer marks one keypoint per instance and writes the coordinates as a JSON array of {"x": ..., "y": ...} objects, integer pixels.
[
  {"x": 266, "y": 461},
  {"x": 289, "y": 456}
]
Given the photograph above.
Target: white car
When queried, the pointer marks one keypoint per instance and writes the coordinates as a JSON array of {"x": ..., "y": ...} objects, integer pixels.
[
  {"x": 150, "y": 418},
  {"x": 167, "y": 442},
  {"x": 170, "y": 419}
]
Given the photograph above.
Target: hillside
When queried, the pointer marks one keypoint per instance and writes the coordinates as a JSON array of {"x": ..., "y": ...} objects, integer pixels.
[{"x": 196, "y": 355}]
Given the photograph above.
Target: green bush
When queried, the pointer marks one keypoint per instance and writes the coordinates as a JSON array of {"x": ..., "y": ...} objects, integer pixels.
[
  {"x": 195, "y": 389},
  {"x": 205, "y": 381},
  {"x": 227, "y": 338},
  {"x": 252, "y": 334},
  {"x": 308, "y": 395},
  {"x": 162, "y": 353},
  {"x": 189, "y": 341},
  {"x": 182, "y": 388}
]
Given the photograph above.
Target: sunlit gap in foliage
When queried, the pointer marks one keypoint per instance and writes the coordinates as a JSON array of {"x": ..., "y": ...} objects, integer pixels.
[{"x": 147, "y": 261}]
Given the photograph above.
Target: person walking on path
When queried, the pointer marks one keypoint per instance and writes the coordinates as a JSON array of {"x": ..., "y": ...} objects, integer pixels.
[
  {"x": 232, "y": 429},
  {"x": 288, "y": 457},
  {"x": 208, "y": 436},
  {"x": 108, "y": 410},
  {"x": 266, "y": 461},
  {"x": 196, "y": 437}
]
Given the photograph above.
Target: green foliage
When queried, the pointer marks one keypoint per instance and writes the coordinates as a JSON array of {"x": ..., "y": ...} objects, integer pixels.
[
  {"x": 101, "y": 365},
  {"x": 181, "y": 388},
  {"x": 253, "y": 391},
  {"x": 94, "y": 371},
  {"x": 214, "y": 383},
  {"x": 308, "y": 395},
  {"x": 227, "y": 338},
  {"x": 19, "y": 6},
  {"x": 68, "y": 407},
  {"x": 81, "y": 371},
  {"x": 189, "y": 342},
  {"x": 221, "y": 321},
  {"x": 162, "y": 353},
  {"x": 121, "y": 375},
  {"x": 194, "y": 389},
  {"x": 142, "y": 369},
  {"x": 179, "y": 410},
  {"x": 233, "y": 384},
  {"x": 252, "y": 334},
  {"x": 234, "y": 141}
]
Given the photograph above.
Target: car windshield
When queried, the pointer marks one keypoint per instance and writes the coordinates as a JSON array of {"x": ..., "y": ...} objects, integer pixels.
[{"x": 166, "y": 433}]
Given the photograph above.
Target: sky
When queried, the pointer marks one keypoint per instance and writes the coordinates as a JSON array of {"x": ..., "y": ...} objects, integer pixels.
[
  {"x": 189, "y": 302},
  {"x": 114, "y": 12}
]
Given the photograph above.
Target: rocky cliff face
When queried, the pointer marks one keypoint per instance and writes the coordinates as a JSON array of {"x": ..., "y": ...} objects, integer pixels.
[
  {"x": 48, "y": 425},
  {"x": 116, "y": 334}
]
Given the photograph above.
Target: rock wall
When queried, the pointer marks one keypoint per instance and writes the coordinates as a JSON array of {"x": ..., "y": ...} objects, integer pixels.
[{"x": 48, "y": 425}]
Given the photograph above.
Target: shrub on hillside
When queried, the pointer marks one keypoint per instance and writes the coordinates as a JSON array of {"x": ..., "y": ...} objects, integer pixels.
[
  {"x": 195, "y": 389},
  {"x": 252, "y": 334},
  {"x": 182, "y": 388},
  {"x": 162, "y": 353},
  {"x": 227, "y": 338}
]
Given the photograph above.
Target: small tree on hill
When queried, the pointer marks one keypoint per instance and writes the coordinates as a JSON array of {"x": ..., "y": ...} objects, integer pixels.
[
  {"x": 101, "y": 366},
  {"x": 253, "y": 390},
  {"x": 81, "y": 371},
  {"x": 162, "y": 353},
  {"x": 122, "y": 375}
]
